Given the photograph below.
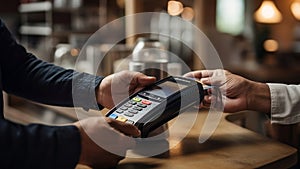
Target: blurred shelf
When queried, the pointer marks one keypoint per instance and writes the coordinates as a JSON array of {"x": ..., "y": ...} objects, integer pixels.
[
  {"x": 79, "y": 9},
  {"x": 35, "y": 30},
  {"x": 67, "y": 33},
  {"x": 35, "y": 7},
  {"x": 65, "y": 10},
  {"x": 57, "y": 22}
]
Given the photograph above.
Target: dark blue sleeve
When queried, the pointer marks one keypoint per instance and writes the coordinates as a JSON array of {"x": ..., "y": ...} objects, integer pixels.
[
  {"x": 38, "y": 146},
  {"x": 26, "y": 76}
]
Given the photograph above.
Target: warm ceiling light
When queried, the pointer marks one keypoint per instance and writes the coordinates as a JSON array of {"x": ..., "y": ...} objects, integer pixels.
[
  {"x": 268, "y": 13},
  {"x": 295, "y": 8},
  {"x": 271, "y": 45},
  {"x": 188, "y": 13},
  {"x": 175, "y": 8}
]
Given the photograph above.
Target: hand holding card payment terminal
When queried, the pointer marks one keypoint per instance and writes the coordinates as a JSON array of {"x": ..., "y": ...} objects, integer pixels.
[{"x": 158, "y": 103}]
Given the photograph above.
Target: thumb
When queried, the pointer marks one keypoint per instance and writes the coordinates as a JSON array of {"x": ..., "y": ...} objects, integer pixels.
[
  {"x": 144, "y": 80},
  {"x": 124, "y": 128},
  {"x": 206, "y": 81}
]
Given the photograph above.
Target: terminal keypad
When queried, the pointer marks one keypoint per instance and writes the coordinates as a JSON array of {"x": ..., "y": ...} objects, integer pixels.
[{"x": 130, "y": 109}]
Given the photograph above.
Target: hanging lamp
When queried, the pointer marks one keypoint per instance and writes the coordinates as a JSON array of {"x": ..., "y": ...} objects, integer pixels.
[{"x": 268, "y": 13}]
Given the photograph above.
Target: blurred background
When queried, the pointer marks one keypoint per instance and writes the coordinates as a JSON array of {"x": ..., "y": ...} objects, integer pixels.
[{"x": 258, "y": 39}]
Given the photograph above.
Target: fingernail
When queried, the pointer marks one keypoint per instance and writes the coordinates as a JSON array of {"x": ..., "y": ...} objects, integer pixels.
[
  {"x": 138, "y": 133},
  {"x": 150, "y": 77}
]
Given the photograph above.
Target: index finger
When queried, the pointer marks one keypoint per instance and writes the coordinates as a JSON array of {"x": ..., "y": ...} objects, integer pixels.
[{"x": 199, "y": 74}]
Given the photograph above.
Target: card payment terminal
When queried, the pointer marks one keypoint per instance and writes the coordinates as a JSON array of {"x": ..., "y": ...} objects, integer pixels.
[{"x": 158, "y": 103}]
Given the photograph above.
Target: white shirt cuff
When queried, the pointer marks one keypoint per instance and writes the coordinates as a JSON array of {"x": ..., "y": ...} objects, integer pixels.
[{"x": 285, "y": 103}]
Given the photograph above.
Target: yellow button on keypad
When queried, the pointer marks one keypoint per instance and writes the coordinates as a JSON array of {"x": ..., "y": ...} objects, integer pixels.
[
  {"x": 136, "y": 99},
  {"x": 122, "y": 119}
]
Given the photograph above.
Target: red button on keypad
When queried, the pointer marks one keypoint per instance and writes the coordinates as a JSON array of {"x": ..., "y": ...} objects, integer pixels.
[{"x": 147, "y": 102}]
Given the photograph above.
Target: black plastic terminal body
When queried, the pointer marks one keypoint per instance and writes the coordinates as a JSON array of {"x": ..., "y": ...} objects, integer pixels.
[{"x": 169, "y": 107}]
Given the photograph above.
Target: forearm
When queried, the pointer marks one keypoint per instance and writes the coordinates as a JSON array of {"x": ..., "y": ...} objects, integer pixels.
[
  {"x": 38, "y": 146},
  {"x": 26, "y": 76},
  {"x": 259, "y": 97},
  {"x": 281, "y": 101},
  {"x": 49, "y": 84}
]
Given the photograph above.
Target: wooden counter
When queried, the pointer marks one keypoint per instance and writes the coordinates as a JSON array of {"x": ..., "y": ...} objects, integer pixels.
[{"x": 230, "y": 146}]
